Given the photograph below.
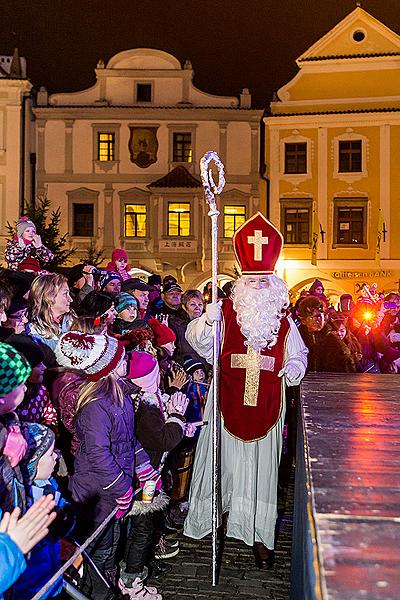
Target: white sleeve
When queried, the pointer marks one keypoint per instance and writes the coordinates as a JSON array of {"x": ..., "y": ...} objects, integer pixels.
[
  {"x": 200, "y": 336},
  {"x": 296, "y": 353}
]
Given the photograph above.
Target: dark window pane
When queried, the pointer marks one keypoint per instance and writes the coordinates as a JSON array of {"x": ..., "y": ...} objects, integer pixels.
[
  {"x": 143, "y": 92},
  {"x": 182, "y": 147},
  {"x": 296, "y": 158},
  {"x": 350, "y": 225},
  {"x": 83, "y": 220},
  {"x": 350, "y": 154},
  {"x": 297, "y": 225}
]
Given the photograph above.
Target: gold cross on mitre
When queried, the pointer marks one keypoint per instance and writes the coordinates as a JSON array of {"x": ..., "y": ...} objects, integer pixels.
[
  {"x": 254, "y": 362},
  {"x": 258, "y": 240}
]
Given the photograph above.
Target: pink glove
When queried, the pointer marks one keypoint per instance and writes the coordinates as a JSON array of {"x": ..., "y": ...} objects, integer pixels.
[
  {"x": 15, "y": 446},
  {"x": 124, "y": 503},
  {"x": 145, "y": 472}
]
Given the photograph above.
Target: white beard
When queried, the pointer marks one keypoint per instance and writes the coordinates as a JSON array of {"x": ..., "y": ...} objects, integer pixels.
[{"x": 259, "y": 311}]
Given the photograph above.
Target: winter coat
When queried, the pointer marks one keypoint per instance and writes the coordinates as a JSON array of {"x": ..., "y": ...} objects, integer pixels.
[
  {"x": 12, "y": 562},
  {"x": 182, "y": 346},
  {"x": 45, "y": 558},
  {"x": 48, "y": 344},
  {"x": 105, "y": 461},
  {"x": 326, "y": 352},
  {"x": 65, "y": 392},
  {"x": 16, "y": 251},
  {"x": 157, "y": 431}
]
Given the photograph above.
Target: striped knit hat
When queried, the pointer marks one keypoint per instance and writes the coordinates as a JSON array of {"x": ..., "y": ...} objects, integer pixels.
[
  {"x": 123, "y": 301},
  {"x": 94, "y": 355}
]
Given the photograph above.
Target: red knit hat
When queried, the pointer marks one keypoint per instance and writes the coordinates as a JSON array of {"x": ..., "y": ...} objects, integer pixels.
[
  {"x": 257, "y": 245},
  {"x": 30, "y": 263},
  {"x": 95, "y": 355},
  {"x": 162, "y": 333}
]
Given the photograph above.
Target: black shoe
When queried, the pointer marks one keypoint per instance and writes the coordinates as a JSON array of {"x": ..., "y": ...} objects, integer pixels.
[
  {"x": 159, "y": 569},
  {"x": 263, "y": 556},
  {"x": 169, "y": 526}
]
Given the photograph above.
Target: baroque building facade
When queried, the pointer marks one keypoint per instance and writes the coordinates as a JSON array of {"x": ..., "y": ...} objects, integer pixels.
[
  {"x": 16, "y": 141},
  {"x": 332, "y": 146},
  {"x": 121, "y": 159}
]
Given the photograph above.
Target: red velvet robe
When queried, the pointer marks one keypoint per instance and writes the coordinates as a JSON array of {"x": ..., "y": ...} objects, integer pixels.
[{"x": 249, "y": 423}]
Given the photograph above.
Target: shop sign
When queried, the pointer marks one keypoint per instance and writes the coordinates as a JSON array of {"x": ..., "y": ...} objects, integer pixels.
[{"x": 379, "y": 274}]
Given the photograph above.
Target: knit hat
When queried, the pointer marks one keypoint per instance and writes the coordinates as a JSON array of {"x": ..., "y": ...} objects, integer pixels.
[
  {"x": 75, "y": 273},
  {"x": 162, "y": 333},
  {"x": 317, "y": 283},
  {"x": 123, "y": 301},
  {"x": 22, "y": 224},
  {"x": 140, "y": 364},
  {"x": 119, "y": 253},
  {"x": 26, "y": 346},
  {"x": 94, "y": 354},
  {"x": 191, "y": 365},
  {"x": 14, "y": 369},
  {"x": 39, "y": 438},
  {"x": 30, "y": 263},
  {"x": 105, "y": 278}
]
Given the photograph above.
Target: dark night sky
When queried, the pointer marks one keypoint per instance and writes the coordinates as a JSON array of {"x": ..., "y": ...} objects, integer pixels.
[{"x": 232, "y": 44}]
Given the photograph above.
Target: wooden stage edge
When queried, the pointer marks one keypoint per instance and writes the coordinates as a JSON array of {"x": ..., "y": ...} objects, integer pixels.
[{"x": 346, "y": 538}]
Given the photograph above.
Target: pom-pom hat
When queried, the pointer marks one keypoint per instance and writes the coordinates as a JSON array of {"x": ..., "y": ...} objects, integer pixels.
[
  {"x": 94, "y": 354},
  {"x": 22, "y": 224},
  {"x": 162, "y": 333},
  {"x": 39, "y": 438},
  {"x": 257, "y": 245}
]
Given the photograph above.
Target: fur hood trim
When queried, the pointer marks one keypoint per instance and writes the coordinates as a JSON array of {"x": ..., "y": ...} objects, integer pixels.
[{"x": 160, "y": 502}]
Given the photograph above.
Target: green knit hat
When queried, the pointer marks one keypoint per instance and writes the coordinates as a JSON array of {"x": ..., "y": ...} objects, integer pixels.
[
  {"x": 14, "y": 369},
  {"x": 123, "y": 301}
]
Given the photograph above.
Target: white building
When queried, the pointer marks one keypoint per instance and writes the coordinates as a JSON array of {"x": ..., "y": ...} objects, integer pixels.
[
  {"x": 15, "y": 141},
  {"x": 121, "y": 159}
]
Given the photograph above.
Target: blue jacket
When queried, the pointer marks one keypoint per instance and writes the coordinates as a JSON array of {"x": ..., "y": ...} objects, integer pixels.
[
  {"x": 45, "y": 558},
  {"x": 12, "y": 562}
]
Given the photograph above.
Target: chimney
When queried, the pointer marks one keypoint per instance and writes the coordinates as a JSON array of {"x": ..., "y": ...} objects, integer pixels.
[
  {"x": 42, "y": 97},
  {"x": 245, "y": 98}
]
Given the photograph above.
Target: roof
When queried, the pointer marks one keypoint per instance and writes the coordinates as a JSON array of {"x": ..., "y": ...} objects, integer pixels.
[
  {"x": 177, "y": 178},
  {"x": 342, "y": 56}
]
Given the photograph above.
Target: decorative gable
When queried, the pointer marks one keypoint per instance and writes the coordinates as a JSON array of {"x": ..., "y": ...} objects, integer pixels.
[{"x": 358, "y": 34}]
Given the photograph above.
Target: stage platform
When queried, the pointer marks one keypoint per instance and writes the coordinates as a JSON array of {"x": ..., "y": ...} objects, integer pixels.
[{"x": 346, "y": 538}]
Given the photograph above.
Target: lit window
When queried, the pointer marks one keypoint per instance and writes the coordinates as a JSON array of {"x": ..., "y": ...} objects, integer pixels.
[
  {"x": 296, "y": 158},
  {"x": 296, "y": 225},
  {"x": 350, "y": 225},
  {"x": 143, "y": 92},
  {"x": 179, "y": 219},
  {"x": 135, "y": 220},
  {"x": 105, "y": 146},
  {"x": 234, "y": 217},
  {"x": 182, "y": 147},
  {"x": 350, "y": 160},
  {"x": 82, "y": 219}
]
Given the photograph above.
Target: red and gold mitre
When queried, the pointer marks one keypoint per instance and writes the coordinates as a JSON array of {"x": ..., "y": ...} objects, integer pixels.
[{"x": 257, "y": 245}]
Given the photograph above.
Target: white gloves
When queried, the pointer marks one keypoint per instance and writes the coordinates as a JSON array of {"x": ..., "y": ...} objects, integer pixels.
[
  {"x": 213, "y": 312},
  {"x": 291, "y": 372}
]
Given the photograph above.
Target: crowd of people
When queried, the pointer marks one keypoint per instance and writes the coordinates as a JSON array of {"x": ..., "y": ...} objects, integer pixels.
[{"x": 103, "y": 390}]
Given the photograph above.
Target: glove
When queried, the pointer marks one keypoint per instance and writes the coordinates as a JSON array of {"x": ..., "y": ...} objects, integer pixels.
[
  {"x": 145, "y": 472},
  {"x": 178, "y": 403},
  {"x": 213, "y": 312},
  {"x": 124, "y": 503},
  {"x": 16, "y": 446},
  {"x": 291, "y": 372}
]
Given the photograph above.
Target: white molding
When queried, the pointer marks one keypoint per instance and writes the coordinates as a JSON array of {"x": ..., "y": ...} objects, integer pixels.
[
  {"x": 384, "y": 181},
  {"x": 348, "y": 136}
]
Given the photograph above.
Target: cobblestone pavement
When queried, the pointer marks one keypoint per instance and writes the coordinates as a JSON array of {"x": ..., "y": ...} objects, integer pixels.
[{"x": 190, "y": 578}]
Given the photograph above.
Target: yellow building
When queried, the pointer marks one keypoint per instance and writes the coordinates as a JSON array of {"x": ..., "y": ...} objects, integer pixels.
[{"x": 332, "y": 153}]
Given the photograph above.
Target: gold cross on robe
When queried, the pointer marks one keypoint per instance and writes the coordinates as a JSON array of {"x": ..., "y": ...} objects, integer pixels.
[{"x": 254, "y": 362}]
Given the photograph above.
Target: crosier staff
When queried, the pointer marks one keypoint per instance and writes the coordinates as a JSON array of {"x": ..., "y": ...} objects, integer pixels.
[{"x": 210, "y": 191}]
